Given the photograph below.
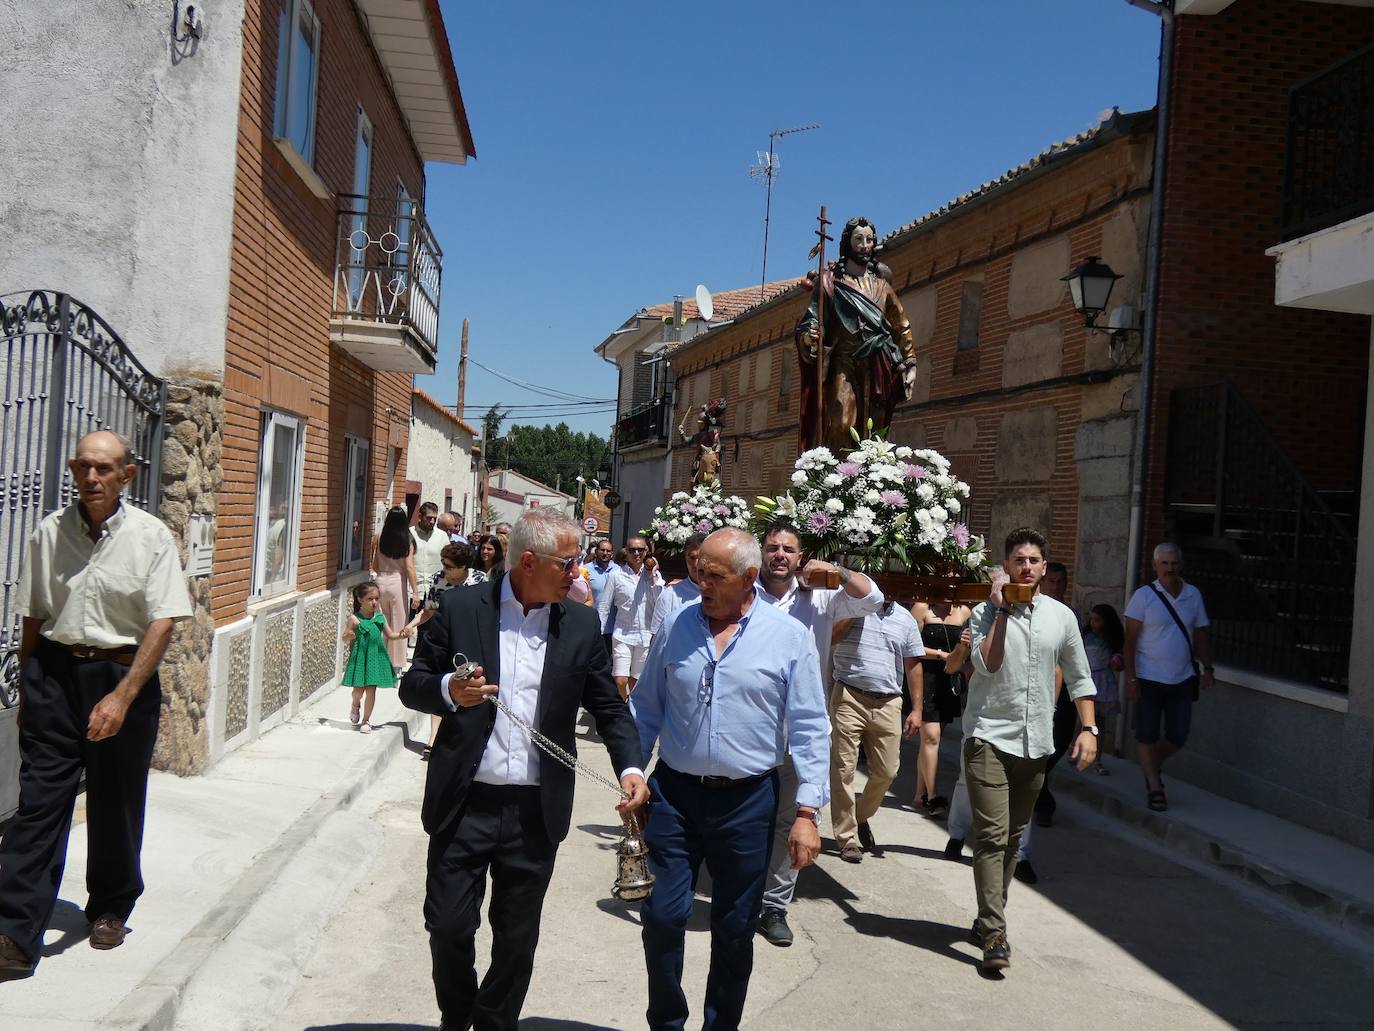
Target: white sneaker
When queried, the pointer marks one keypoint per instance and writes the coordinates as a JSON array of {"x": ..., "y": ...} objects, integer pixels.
[{"x": 366, "y": 728}]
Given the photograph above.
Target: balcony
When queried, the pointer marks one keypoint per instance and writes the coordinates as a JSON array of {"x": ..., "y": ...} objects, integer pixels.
[
  {"x": 386, "y": 284},
  {"x": 645, "y": 424},
  {"x": 1329, "y": 162}
]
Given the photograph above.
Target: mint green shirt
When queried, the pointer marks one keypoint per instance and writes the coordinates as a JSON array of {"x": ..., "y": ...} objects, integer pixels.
[{"x": 1013, "y": 709}]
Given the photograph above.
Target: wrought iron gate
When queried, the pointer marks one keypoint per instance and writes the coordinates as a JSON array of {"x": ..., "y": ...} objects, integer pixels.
[{"x": 63, "y": 373}]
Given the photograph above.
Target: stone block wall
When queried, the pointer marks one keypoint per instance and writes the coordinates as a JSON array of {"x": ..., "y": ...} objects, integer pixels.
[{"x": 190, "y": 484}]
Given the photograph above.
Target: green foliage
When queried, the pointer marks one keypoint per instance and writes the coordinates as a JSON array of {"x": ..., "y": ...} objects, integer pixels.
[{"x": 553, "y": 455}]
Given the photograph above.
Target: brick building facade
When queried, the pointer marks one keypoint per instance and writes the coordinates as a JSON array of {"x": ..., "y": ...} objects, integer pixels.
[{"x": 1028, "y": 405}]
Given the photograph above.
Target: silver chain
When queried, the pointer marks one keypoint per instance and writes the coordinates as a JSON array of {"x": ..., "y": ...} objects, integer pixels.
[{"x": 463, "y": 669}]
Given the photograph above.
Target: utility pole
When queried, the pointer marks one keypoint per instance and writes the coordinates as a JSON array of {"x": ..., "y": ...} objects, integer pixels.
[{"x": 463, "y": 371}]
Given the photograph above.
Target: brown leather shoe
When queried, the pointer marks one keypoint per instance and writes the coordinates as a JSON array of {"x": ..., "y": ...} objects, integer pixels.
[
  {"x": 852, "y": 853},
  {"x": 13, "y": 960},
  {"x": 108, "y": 932}
]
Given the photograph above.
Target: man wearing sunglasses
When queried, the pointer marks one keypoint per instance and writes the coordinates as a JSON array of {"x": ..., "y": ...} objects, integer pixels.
[
  {"x": 631, "y": 594},
  {"x": 492, "y": 802}
]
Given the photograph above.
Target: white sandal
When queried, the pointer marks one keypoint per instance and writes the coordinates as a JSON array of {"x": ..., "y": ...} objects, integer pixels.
[{"x": 366, "y": 728}]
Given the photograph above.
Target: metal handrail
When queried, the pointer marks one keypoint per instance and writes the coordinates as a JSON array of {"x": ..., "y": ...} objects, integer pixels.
[
  {"x": 1328, "y": 174},
  {"x": 388, "y": 266}
]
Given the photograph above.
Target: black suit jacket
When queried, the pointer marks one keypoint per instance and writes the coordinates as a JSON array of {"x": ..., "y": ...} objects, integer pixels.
[{"x": 577, "y": 672}]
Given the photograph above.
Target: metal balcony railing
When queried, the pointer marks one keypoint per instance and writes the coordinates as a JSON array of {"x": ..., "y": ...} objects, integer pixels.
[
  {"x": 388, "y": 265},
  {"x": 644, "y": 424},
  {"x": 1275, "y": 563},
  {"x": 1328, "y": 172}
]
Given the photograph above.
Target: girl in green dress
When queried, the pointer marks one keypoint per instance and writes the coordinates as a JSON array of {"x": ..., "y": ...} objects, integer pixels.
[{"x": 369, "y": 664}]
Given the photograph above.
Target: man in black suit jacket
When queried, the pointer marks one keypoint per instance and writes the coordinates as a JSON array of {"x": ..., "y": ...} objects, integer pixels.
[{"x": 492, "y": 800}]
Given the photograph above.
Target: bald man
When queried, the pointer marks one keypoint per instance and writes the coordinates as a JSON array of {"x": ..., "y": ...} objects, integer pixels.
[{"x": 99, "y": 590}]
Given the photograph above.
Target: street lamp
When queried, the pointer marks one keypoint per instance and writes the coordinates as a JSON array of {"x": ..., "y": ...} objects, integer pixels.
[{"x": 1091, "y": 284}]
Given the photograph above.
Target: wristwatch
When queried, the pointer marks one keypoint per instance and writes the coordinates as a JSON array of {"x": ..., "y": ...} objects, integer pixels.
[
  {"x": 809, "y": 814},
  {"x": 1091, "y": 728}
]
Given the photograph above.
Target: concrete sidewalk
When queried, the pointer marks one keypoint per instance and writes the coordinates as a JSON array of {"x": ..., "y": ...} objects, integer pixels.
[
  {"x": 214, "y": 848},
  {"x": 1319, "y": 875}
]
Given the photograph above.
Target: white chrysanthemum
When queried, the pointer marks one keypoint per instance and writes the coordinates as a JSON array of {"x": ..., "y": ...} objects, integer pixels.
[
  {"x": 925, "y": 492},
  {"x": 953, "y": 505},
  {"x": 799, "y": 477},
  {"x": 872, "y": 497},
  {"x": 903, "y": 452},
  {"x": 834, "y": 505},
  {"x": 832, "y": 480},
  {"x": 938, "y": 513}
]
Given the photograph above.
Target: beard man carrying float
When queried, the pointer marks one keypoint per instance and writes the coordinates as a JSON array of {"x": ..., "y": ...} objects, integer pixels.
[{"x": 856, "y": 333}]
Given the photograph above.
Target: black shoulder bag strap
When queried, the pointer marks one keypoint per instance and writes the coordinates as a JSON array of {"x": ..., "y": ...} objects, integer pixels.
[{"x": 1192, "y": 658}]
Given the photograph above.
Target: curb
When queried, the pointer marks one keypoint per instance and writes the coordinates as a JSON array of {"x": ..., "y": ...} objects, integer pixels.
[
  {"x": 154, "y": 1003},
  {"x": 1349, "y": 914}
]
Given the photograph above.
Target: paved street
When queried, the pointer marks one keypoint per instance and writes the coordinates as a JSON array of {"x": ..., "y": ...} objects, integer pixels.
[{"x": 1115, "y": 935}]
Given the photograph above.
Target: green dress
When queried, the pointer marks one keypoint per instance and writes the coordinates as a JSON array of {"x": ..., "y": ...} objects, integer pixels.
[{"x": 369, "y": 664}]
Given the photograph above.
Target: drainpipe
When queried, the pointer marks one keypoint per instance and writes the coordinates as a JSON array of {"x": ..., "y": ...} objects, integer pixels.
[
  {"x": 1149, "y": 329},
  {"x": 615, "y": 442}
]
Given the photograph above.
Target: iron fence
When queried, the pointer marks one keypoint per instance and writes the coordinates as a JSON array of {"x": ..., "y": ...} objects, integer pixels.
[
  {"x": 1276, "y": 566},
  {"x": 1329, "y": 159},
  {"x": 389, "y": 265},
  {"x": 64, "y": 372}
]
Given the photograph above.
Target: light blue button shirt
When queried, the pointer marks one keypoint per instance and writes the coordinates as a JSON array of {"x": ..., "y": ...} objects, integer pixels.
[
  {"x": 680, "y": 595},
  {"x": 729, "y": 715},
  {"x": 599, "y": 579}
]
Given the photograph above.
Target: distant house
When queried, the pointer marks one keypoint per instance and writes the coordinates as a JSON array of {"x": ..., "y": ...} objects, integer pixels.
[
  {"x": 441, "y": 465},
  {"x": 641, "y": 349},
  {"x": 510, "y": 495}
]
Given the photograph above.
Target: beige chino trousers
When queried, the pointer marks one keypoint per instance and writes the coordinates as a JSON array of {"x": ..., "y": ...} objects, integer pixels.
[{"x": 875, "y": 721}]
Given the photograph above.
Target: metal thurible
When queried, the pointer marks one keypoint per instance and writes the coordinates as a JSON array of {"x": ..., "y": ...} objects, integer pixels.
[{"x": 633, "y": 881}]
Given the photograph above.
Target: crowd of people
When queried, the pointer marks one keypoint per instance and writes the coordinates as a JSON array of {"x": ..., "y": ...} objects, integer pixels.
[{"x": 757, "y": 694}]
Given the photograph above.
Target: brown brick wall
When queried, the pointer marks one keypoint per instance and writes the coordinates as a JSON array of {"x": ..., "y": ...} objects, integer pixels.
[
  {"x": 1305, "y": 370},
  {"x": 1076, "y": 199},
  {"x": 278, "y": 351}
]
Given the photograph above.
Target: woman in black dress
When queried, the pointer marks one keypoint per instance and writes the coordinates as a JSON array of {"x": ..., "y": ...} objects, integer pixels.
[{"x": 941, "y": 623}]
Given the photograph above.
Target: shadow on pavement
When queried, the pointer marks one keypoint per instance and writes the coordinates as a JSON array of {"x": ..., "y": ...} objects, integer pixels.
[
  {"x": 70, "y": 919},
  {"x": 549, "y": 1024},
  {"x": 370, "y": 1027}
]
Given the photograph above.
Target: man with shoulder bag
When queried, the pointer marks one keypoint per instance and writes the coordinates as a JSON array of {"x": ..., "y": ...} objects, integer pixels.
[{"x": 1168, "y": 660}]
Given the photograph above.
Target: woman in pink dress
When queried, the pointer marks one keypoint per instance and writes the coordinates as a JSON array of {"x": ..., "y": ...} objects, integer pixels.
[{"x": 393, "y": 567}]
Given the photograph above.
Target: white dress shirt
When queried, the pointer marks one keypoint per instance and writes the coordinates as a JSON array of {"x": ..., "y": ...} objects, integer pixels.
[
  {"x": 511, "y": 756},
  {"x": 819, "y": 607},
  {"x": 632, "y": 597}
]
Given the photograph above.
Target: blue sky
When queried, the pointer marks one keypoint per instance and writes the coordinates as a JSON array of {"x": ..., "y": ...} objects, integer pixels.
[{"x": 614, "y": 142}]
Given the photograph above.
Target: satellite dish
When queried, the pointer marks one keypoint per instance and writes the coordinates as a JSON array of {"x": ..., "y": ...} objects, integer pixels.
[{"x": 705, "y": 305}]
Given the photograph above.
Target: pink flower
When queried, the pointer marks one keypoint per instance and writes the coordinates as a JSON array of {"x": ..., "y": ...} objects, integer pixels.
[
  {"x": 960, "y": 534},
  {"x": 662, "y": 527},
  {"x": 849, "y": 469},
  {"x": 893, "y": 499},
  {"x": 722, "y": 510},
  {"x": 818, "y": 522},
  {"x": 703, "y": 526},
  {"x": 688, "y": 508},
  {"x": 914, "y": 472}
]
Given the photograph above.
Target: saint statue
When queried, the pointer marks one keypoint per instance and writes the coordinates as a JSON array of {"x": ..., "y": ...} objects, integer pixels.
[
  {"x": 706, "y": 463},
  {"x": 870, "y": 363}
]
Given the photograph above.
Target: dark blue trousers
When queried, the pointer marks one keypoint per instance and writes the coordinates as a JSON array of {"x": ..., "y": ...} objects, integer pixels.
[{"x": 731, "y": 829}]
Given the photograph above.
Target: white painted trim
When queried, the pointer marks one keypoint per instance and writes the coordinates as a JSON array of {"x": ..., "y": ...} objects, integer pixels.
[
  {"x": 301, "y": 167},
  {"x": 1294, "y": 692}
]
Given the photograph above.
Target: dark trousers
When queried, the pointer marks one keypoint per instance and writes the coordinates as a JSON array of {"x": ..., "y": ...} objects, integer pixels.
[
  {"x": 1001, "y": 791},
  {"x": 730, "y": 829},
  {"x": 1065, "y": 723},
  {"x": 59, "y": 694},
  {"x": 499, "y": 831}
]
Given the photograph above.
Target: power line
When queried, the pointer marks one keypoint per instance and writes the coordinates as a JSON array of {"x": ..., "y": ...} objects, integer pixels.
[{"x": 546, "y": 391}]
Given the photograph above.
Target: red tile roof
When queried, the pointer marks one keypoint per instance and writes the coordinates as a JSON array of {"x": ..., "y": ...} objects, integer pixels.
[
  {"x": 445, "y": 412},
  {"x": 727, "y": 304}
]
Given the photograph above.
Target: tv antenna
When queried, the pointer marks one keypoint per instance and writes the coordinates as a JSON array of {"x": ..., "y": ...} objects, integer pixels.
[{"x": 765, "y": 171}]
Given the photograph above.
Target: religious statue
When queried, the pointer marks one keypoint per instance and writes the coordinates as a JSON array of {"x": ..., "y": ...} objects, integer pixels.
[
  {"x": 706, "y": 464},
  {"x": 870, "y": 363}
]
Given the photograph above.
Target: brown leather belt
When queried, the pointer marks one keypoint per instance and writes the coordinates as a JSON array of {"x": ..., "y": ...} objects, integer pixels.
[
  {"x": 85, "y": 653},
  {"x": 881, "y": 695}
]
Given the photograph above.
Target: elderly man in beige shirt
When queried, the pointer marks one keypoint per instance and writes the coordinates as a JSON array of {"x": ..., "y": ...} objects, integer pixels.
[{"x": 100, "y": 589}]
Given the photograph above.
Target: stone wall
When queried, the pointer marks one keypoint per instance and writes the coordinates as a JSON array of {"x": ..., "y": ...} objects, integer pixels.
[{"x": 190, "y": 483}]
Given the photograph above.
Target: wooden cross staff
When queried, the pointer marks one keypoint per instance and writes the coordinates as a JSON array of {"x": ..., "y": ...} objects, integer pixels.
[{"x": 819, "y": 251}]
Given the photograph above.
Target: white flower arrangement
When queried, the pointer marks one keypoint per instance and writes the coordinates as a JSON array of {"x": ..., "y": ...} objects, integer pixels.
[
  {"x": 881, "y": 500},
  {"x": 704, "y": 511}
]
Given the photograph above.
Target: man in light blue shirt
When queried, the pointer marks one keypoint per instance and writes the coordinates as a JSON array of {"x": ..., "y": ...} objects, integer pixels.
[
  {"x": 727, "y": 681},
  {"x": 600, "y": 571},
  {"x": 682, "y": 593}
]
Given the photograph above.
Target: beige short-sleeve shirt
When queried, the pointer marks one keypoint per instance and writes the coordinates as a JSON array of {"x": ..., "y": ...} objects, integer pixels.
[{"x": 102, "y": 593}]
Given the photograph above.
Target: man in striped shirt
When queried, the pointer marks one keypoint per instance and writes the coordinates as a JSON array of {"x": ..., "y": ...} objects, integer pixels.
[{"x": 873, "y": 656}]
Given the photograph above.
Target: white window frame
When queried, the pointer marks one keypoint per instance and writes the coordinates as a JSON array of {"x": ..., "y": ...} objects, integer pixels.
[
  {"x": 357, "y": 454},
  {"x": 271, "y": 422},
  {"x": 293, "y": 13},
  {"x": 363, "y": 142}
]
